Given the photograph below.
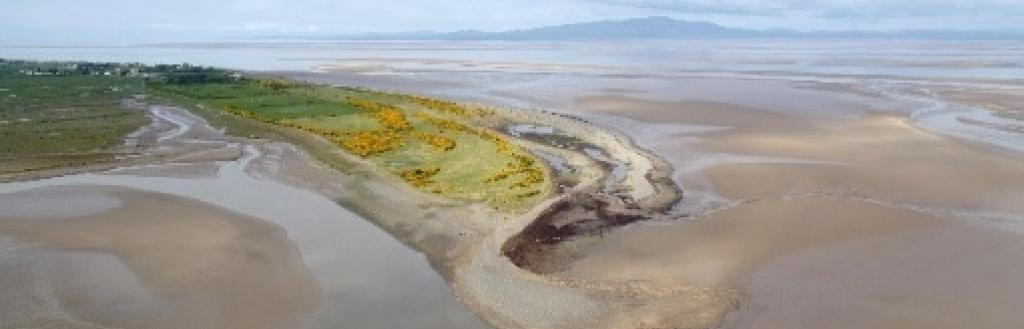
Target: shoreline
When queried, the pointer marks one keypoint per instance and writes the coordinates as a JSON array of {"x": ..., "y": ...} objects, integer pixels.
[
  {"x": 874, "y": 161},
  {"x": 450, "y": 248},
  {"x": 558, "y": 257},
  {"x": 466, "y": 245},
  {"x": 286, "y": 165}
]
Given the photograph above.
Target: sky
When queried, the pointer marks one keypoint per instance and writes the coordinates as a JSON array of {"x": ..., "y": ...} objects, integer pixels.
[{"x": 122, "y": 22}]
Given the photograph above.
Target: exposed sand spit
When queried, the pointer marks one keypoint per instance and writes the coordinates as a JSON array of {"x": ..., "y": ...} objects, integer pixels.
[
  {"x": 770, "y": 167},
  {"x": 878, "y": 156},
  {"x": 848, "y": 217}
]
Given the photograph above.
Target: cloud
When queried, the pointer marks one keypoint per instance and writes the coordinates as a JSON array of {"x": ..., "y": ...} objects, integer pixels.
[
  {"x": 127, "y": 21},
  {"x": 921, "y": 8},
  {"x": 841, "y": 14},
  {"x": 733, "y": 7},
  {"x": 832, "y": 8},
  {"x": 275, "y": 27}
]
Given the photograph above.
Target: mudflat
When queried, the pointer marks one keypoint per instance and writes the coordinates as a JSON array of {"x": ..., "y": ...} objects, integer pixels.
[
  {"x": 681, "y": 199},
  {"x": 216, "y": 235},
  {"x": 151, "y": 260},
  {"x": 808, "y": 200},
  {"x": 861, "y": 222}
]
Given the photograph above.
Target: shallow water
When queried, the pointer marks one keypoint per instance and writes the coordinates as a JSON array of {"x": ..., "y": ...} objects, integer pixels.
[
  {"x": 518, "y": 130},
  {"x": 919, "y": 59},
  {"x": 774, "y": 75},
  {"x": 930, "y": 112},
  {"x": 805, "y": 79},
  {"x": 368, "y": 279},
  {"x": 619, "y": 168}
]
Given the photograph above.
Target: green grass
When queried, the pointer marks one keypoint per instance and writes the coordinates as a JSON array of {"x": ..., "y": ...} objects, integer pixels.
[
  {"x": 262, "y": 102},
  {"x": 49, "y": 116},
  {"x": 436, "y": 146},
  {"x": 338, "y": 123},
  {"x": 350, "y": 118}
]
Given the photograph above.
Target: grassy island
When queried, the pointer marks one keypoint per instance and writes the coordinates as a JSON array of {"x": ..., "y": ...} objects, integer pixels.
[{"x": 436, "y": 146}]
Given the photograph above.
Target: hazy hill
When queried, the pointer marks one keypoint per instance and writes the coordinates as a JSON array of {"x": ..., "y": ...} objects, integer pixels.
[{"x": 668, "y": 28}]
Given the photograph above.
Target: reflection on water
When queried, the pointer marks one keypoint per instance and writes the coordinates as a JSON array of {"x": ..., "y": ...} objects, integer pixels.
[
  {"x": 932, "y": 113},
  {"x": 908, "y": 59},
  {"x": 157, "y": 261},
  {"x": 369, "y": 279}
]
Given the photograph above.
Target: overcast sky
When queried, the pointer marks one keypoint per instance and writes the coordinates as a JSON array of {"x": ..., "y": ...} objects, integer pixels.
[{"x": 111, "y": 22}]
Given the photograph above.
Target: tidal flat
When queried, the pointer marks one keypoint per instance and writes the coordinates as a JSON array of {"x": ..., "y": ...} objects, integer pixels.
[
  {"x": 805, "y": 178},
  {"x": 211, "y": 242},
  {"x": 728, "y": 184}
]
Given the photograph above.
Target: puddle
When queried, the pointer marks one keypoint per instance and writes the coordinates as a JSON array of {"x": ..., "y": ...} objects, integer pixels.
[
  {"x": 518, "y": 130},
  {"x": 618, "y": 172}
]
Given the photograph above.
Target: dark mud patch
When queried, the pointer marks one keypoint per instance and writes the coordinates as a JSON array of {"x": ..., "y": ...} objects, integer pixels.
[
  {"x": 552, "y": 241},
  {"x": 562, "y": 233}
]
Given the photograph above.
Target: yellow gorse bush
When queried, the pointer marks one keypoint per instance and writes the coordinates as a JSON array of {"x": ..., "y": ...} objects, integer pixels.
[
  {"x": 372, "y": 142},
  {"x": 420, "y": 177},
  {"x": 440, "y": 105},
  {"x": 454, "y": 151},
  {"x": 392, "y": 119},
  {"x": 439, "y": 142}
]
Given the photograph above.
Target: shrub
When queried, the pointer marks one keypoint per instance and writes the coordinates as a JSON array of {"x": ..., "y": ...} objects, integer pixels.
[
  {"x": 420, "y": 177},
  {"x": 372, "y": 142},
  {"x": 439, "y": 142}
]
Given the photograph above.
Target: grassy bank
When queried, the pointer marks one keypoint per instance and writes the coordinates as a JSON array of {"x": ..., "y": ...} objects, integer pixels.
[
  {"x": 51, "y": 121},
  {"x": 56, "y": 115},
  {"x": 436, "y": 146}
]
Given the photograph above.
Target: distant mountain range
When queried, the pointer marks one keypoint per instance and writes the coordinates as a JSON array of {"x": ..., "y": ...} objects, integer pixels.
[{"x": 669, "y": 28}]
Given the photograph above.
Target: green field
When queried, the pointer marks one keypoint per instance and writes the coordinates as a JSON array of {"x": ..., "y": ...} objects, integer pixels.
[
  {"x": 435, "y": 146},
  {"x": 55, "y": 121},
  {"x": 65, "y": 114}
]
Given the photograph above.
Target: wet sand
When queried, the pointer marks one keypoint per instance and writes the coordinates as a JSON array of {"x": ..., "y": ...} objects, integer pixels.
[
  {"x": 809, "y": 200},
  {"x": 873, "y": 223},
  {"x": 199, "y": 243},
  {"x": 826, "y": 262},
  {"x": 805, "y": 204},
  {"x": 880, "y": 156},
  {"x": 947, "y": 276},
  {"x": 154, "y": 261}
]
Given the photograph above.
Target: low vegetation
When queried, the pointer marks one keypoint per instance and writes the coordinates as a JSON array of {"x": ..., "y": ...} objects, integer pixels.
[
  {"x": 72, "y": 111},
  {"x": 433, "y": 145},
  {"x": 54, "y": 116}
]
